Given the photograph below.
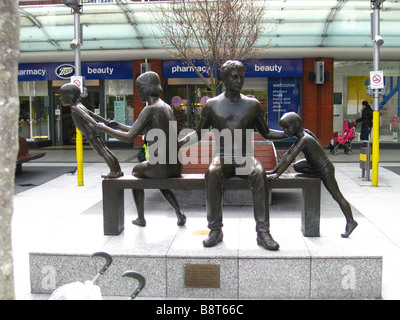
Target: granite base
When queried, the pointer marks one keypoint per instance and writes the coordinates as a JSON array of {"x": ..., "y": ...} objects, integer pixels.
[{"x": 303, "y": 268}]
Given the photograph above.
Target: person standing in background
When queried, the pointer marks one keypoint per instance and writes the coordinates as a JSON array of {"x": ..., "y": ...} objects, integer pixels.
[{"x": 366, "y": 121}]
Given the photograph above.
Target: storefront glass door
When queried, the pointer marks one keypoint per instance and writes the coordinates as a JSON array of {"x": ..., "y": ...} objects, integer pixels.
[
  {"x": 119, "y": 102},
  {"x": 34, "y": 110},
  {"x": 187, "y": 102}
]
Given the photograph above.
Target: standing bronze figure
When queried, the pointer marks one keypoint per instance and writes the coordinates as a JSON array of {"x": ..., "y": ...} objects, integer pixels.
[
  {"x": 236, "y": 113},
  {"x": 316, "y": 162},
  {"x": 156, "y": 115}
]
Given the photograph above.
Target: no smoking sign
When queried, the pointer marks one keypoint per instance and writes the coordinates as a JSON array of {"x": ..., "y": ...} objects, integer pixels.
[
  {"x": 376, "y": 79},
  {"x": 78, "y": 81}
]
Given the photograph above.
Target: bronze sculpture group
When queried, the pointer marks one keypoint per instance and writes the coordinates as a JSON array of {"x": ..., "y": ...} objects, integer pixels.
[{"x": 230, "y": 111}]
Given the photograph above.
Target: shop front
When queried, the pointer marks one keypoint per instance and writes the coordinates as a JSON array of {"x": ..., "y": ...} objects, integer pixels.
[
  {"x": 351, "y": 89},
  {"x": 275, "y": 83},
  {"x": 44, "y": 121}
]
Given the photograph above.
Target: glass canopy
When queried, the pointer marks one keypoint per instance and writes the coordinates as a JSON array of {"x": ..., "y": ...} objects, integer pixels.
[{"x": 128, "y": 25}]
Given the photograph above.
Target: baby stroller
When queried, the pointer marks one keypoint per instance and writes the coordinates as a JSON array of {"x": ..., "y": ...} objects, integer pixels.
[{"x": 344, "y": 140}]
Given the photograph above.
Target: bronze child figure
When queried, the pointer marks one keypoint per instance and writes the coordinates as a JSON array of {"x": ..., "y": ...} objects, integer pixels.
[
  {"x": 316, "y": 162},
  {"x": 84, "y": 120}
]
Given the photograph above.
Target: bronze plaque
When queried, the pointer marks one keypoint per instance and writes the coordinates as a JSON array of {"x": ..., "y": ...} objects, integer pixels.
[{"x": 202, "y": 276}]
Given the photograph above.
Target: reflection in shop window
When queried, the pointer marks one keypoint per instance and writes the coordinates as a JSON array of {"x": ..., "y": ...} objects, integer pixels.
[
  {"x": 257, "y": 88},
  {"x": 34, "y": 110},
  {"x": 351, "y": 82},
  {"x": 119, "y": 101}
]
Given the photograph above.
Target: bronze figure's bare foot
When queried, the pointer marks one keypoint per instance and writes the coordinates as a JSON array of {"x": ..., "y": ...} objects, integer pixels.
[
  {"x": 112, "y": 175},
  {"x": 181, "y": 219},
  {"x": 214, "y": 238},
  {"x": 349, "y": 229},
  {"x": 139, "y": 222},
  {"x": 265, "y": 240}
]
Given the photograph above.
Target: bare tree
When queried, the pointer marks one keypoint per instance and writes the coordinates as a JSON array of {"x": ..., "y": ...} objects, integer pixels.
[
  {"x": 9, "y": 112},
  {"x": 209, "y": 30}
]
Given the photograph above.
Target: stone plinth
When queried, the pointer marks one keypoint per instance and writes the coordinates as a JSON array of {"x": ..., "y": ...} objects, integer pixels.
[{"x": 303, "y": 268}]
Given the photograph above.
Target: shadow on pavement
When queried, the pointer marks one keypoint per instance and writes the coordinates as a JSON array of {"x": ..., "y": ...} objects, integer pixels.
[{"x": 31, "y": 177}]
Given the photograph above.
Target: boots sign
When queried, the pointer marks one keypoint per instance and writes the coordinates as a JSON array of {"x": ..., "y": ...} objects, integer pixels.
[{"x": 64, "y": 71}]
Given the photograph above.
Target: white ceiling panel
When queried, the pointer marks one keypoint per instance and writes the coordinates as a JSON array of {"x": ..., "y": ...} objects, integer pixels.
[{"x": 295, "y": 23}]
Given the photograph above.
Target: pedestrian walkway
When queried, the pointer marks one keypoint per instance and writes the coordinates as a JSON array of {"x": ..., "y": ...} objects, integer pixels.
[
  {"x": 68, "y": 155},
  {"x": 60, "y": 208}
]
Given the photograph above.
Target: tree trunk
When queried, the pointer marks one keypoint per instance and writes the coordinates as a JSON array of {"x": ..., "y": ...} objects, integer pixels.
[{"x": 9, "y": 112}]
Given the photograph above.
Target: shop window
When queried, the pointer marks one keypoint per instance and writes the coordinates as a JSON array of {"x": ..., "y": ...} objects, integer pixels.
[
  {"x": 187, "y": 102},
  {"x": 351, "y": 82},
  {"x": 276, "y": 95},
  {"x": 34, "y": 110},
  {"x": 119, "y": 101}
]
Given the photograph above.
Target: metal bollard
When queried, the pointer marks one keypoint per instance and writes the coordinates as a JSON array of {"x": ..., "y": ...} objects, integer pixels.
[{"x": 365, "y": 159}]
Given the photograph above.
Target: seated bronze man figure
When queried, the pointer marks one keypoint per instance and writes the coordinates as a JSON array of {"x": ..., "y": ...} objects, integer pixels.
[{"x": 238, "y": 114}]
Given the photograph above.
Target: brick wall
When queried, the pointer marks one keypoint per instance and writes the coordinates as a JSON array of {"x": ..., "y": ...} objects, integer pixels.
[{"x": 318, "y": 101}]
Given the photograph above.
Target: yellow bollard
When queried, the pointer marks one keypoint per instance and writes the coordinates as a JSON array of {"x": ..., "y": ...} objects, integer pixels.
[
  {"x": 79, "y": 156},
  {"x": 375, "y": 148}
]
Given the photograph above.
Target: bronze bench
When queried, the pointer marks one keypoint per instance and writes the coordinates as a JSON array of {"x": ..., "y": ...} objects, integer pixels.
[{"x": 113, "y": 196}]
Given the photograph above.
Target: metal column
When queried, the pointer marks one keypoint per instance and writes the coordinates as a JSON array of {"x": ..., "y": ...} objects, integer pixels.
[
  {"x": 377, "y": 42},
  {"x": 76, "y": 6}
]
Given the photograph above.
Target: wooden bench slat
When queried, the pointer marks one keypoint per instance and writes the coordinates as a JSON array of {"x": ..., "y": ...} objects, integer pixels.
[
  {"x": 199, "y": 163},
  {"x": 24, "y": 155}
]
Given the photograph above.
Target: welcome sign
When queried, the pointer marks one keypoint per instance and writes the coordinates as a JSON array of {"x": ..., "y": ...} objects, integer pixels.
[
  {"x": 64, "y": 71},
  {"x": 283, "y": 96}
]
